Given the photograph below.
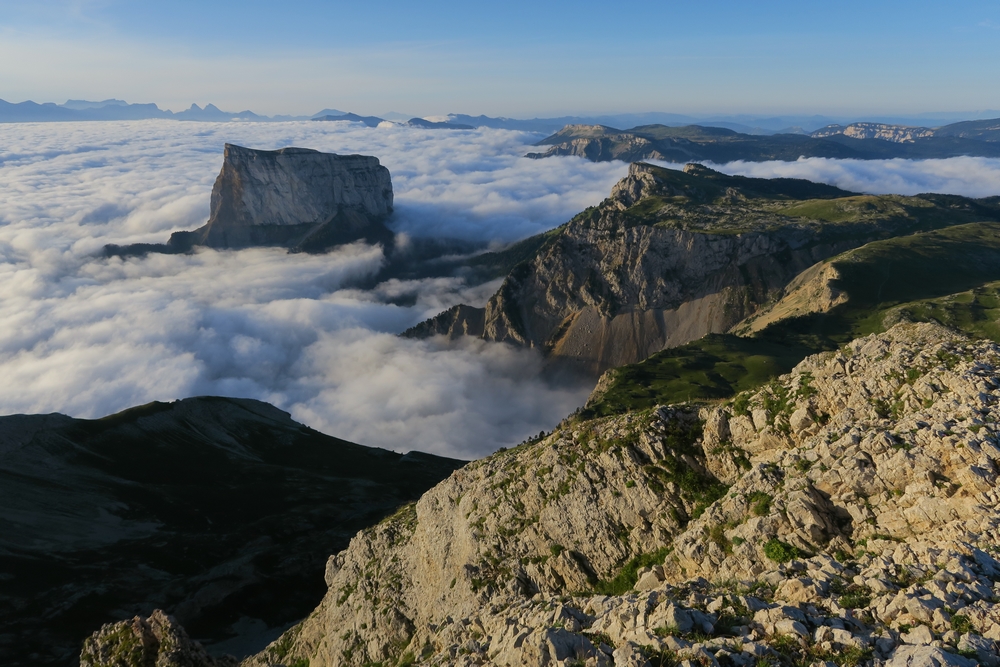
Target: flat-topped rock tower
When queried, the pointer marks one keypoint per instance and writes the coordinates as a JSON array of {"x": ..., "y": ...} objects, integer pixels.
[
  {"x": 294, "y": 197},
  {"x": 297, "y": 198}
]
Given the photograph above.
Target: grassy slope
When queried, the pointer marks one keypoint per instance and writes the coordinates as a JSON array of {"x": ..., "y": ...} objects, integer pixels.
[
  {"x": 715, "y": 366},
  {"x": 948, "y": 276}
]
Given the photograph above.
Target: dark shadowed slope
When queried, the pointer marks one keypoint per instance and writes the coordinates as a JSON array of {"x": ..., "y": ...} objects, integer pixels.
[{"x": 216, "y": 509}]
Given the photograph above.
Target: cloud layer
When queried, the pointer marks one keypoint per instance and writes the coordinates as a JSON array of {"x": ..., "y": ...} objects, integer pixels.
[{"x": 88, "y": 336}]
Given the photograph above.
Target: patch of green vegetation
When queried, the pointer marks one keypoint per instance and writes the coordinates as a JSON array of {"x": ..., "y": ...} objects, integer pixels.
[
  {"x": 947, "y": 275},
  {"x": 797, "y": 653},
  {"x": 781, "y": 552},
  {"x": 126, "y": 649},
  {"x": 696, "y": 487},
  {"x": 660, "y": 658},
  {"x": 851, "y": 209},
  {"x": 627, "y": 577},
  {"x": 281, "y": 648},
  {"x": 961, "y": 624},
  {"x": 717, "y": 535},
  {"x": 855, "y": 597},
  {"x": 716, "y": 366},
  {"x": 760, "y": 503}
]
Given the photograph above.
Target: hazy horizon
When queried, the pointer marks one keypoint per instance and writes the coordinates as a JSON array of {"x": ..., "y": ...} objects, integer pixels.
[{"x": 519, "y": 60}]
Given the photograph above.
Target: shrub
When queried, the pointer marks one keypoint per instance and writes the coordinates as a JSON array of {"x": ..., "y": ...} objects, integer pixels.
[
  {"x": 760, "y": 503},
  {"x": 780, "y": 552}
]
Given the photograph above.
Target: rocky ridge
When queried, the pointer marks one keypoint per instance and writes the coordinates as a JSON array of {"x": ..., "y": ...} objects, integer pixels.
[
  {"x": 846, "y": 513},
  {"x": 671, "y": 256},
  {"x": 902, "y": 134}
]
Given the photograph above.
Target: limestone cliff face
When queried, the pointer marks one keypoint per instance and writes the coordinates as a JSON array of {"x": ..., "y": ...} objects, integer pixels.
[
  {"x": 626, "y": 147},
  {"x": 845, "y": 512},
  {"x": 900, "y": 134},
  {"x": 611, "y": 290},
  {"x": 295, "y": 197}
]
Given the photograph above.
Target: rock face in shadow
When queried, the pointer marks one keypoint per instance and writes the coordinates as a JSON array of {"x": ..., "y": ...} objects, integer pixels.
[
  {"x": 220, "y": 511},
  {"x": 294, "y": 197}
]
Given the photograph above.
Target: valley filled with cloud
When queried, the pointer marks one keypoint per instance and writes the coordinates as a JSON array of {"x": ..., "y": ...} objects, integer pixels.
[{"x": 87, "y": 335}]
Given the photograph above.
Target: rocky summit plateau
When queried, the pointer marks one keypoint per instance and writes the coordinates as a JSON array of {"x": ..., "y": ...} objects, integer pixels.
[{"x": 297, "y": 198}]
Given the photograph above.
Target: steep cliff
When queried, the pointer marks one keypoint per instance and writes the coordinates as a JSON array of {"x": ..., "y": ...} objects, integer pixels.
[
  {"x": 671, "y": 256},
  {"x": 902, "y": 134},
  {"x": 293, "y": 197},
  {"x": 296, "y": 197}
]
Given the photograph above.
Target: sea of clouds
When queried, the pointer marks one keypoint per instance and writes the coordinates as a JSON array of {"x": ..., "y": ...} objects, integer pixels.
[{"x": 87, "y": 336}]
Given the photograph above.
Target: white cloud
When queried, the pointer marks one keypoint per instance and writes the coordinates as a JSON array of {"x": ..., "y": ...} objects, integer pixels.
[
  {"x": 87, "y": 336},
  {"x": 967, "y": 176}
]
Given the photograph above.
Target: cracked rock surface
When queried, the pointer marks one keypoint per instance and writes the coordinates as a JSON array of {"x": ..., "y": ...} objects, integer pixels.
[{"x": 844, "y": 514}]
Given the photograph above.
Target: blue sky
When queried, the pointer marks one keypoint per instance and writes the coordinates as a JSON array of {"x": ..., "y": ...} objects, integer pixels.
[{"x": 512, "y": 58}]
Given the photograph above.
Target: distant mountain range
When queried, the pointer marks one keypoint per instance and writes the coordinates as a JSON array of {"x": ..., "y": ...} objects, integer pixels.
[
  {"x": 698, "y": 143},
  {"x": 32, "y": 112},
  {"x": 374, "y": 121},
  {"x": 115, "y": 109}
]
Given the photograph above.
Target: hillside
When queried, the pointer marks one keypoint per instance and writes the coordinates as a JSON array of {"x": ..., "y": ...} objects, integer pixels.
[
  {"x": 222, "y": 510},
  {"x": 695, "y": 143},
  {"x": 845, "y": 512},
  {"x": 673, "y": 255}
]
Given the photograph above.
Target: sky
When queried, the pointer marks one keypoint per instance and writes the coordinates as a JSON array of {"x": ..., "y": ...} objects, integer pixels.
[
  {"x": 516, "y": 58},
  {"x": 87, "y": 336}
]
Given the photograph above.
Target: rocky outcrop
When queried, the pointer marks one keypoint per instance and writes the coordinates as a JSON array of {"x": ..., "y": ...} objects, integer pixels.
[
  {"x": 157, "y": 641},
  {"x": 695, "y": 143},
  {"x": 457, "y": 321},
  {"x": 847, "y": 512},
  {"x": 293, "y": 197},
  {"x": 900, "y": 134},
  {"x": 626, "y": 147},
  {"x": 812, "y": 291}
]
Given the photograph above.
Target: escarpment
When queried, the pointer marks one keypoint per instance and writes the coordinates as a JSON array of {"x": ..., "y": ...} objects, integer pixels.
[
  {"x": 671, "y": 256},
  {"x": 297, "y": 198},
  {"x": 847, "y": 511}
]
